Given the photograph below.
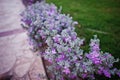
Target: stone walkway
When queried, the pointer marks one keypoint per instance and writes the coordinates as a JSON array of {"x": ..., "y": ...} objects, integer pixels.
[{"x": 16, "y": 58}]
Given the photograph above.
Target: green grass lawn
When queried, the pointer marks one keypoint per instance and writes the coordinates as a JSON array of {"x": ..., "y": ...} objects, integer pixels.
[{"x": 101, "y": 17}]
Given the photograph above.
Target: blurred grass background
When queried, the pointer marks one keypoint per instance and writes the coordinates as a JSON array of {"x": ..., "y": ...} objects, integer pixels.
[{"x": 101, "y": 17}]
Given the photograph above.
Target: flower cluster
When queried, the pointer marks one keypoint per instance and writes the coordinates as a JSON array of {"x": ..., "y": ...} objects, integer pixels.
[
  {"x": 47, "y": 26},
  {"x": 94, "y": 54},
  {"x": 103, "y": 62},
  {"x": 30, "y": 2}
]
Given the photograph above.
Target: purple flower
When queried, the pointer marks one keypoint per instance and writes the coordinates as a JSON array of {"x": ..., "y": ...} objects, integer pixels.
[
  {"x": 56, "y": 38},
  {"x": 49, "y": 59},
  {"x": 83, "y": 67},
  {"x": 28, "y": 22},
  {"x": 106, "y": 73},
  {"x": 74, "y": 36},
  {"x": 92, "y": 76},
  {"x": 62, "y": 78},
  {"x": 58, "y": 67},
  {"x": 96, "y": 61},
  {"x": 118, "y": 73},
  {"x": 30, "y": 29},
  {"x": 40, "y": 44},
  {"x": 73, "y": 76},
  {"x": 84, "y": 75},
  {"x": 95, "y": 47},
  {"x": 43, "y": 36},
  {"x": 67, "y": 39},
  {"x": 31, "y": 42},
  {"x": 69, "y": 49},
  {"x": 54, "y": 51},
  {"x": 52, "y": 10},
  {"x": 94, "y": 54},
  {"x": 95, "y": 57},
  {"x": 66, "y": 71},
  {"x": 51, "y": 27},
  {"x": 99, "y": 72},
  {"x": 60, "y": 58}
]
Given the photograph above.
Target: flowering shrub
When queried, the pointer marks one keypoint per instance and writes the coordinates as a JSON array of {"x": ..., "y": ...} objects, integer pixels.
[{"x": 46, "y": 26}]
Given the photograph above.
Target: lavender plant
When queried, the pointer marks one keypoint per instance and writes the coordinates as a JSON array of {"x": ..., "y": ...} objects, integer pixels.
[{"x": 47, "y": 26}]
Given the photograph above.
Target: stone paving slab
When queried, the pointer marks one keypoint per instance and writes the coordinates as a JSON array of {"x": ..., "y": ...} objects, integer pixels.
[
  {"x": 16, "y": 58},
  {"x": 10, "y": 14},
  {"x": 36, "y": 72}
]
